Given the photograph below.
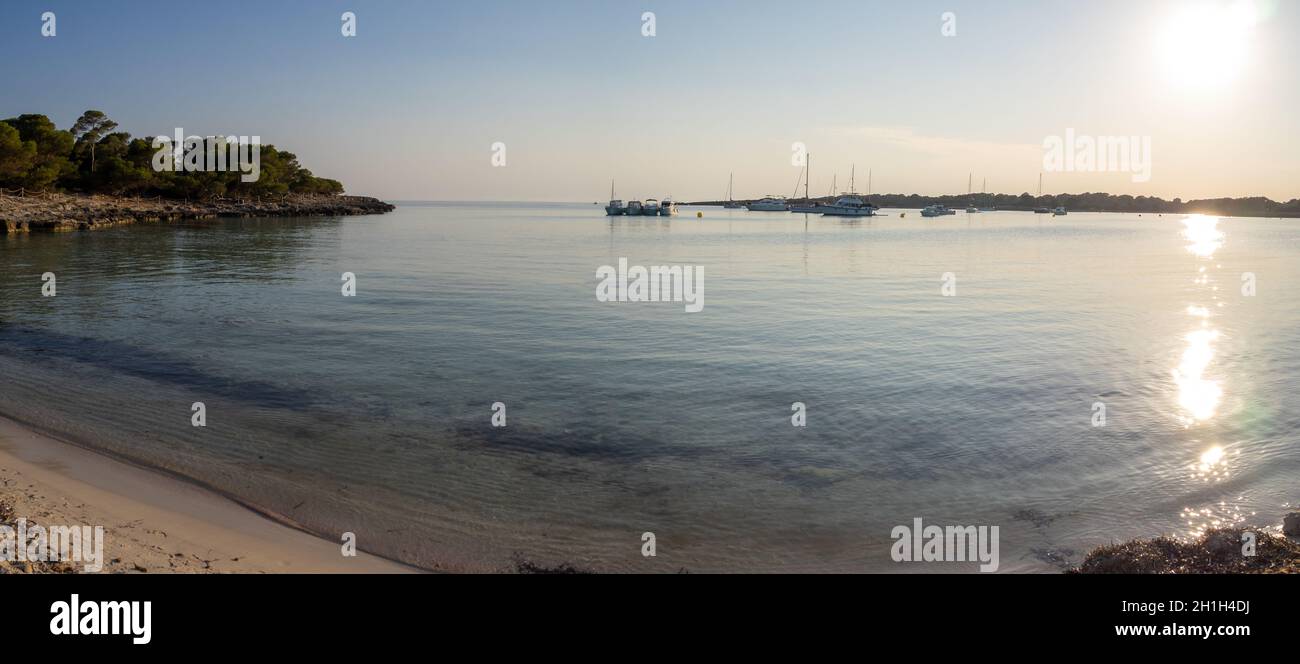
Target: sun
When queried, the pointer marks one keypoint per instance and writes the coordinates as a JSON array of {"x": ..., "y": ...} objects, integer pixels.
[{"x": 1207, "y": 45}]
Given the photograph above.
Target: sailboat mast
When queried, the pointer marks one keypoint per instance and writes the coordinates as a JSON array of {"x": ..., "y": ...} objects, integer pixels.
[
  {"x": 852, "y": 172},
  {"x": 807, "y": 175}
]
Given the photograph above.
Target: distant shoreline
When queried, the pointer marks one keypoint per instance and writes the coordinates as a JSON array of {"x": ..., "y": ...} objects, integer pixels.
[
  {"x": 1088, "y": 202},
  {"x": 56, "y": 212}
]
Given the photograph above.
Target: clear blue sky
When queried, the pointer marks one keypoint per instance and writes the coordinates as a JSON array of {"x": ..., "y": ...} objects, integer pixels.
[{"x": 410, "y": 107}]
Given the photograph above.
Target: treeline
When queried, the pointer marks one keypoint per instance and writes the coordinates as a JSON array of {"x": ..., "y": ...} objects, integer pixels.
[
  {"x": 92, "y": 158},
  {"x": 1256, "y": 206}
]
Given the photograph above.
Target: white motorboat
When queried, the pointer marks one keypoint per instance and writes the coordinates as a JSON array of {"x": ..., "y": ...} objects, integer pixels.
[
  {"x": 849, "y": 206},
  {"x": 650, "y": 207},
  {"x": 936, "y": 211},
  {"x": 768, "y": 204},
  {"x": 667, "y": 207}
]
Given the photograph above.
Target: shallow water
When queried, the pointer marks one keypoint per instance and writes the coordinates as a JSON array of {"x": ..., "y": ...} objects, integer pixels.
[{"x": 371, "y": 414}]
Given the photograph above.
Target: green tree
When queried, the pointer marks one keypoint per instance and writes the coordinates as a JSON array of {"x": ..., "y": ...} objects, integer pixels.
[
  {"x": 89, "y": 129},
  {"x": 16, "y": 156},
  {"x": 53, "y": 150}
]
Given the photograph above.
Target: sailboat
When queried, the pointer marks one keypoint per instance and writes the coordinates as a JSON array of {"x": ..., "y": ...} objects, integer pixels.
[
  {"x": 808, "y": 206},
  {"x": 970, "y": 207},
  {"x": 1040, "y": 210},
  {"x": 984, "y": 191},
  {"x": 731, "y": 203},
  {"x": 615, "y": 207},
  {"x": 849, "y": 205}
]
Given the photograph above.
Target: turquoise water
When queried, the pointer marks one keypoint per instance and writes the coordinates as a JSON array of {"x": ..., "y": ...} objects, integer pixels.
[{"x": 372, "y": 414}]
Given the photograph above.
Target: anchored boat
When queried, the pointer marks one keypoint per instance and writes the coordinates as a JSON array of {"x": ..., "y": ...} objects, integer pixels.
[
  {"x": 768, "y": 204},
  {"x": 936, "y": 211},
  {"x": 615, "y": 207},
  {"x": 731, "y": 203}
]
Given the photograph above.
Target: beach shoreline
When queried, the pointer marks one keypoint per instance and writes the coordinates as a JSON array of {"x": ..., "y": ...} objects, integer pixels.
[{"x": 154, "y": 522}]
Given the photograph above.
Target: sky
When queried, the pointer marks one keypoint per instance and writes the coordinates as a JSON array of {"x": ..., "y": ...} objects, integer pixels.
[{"x": 923, "y": 96}]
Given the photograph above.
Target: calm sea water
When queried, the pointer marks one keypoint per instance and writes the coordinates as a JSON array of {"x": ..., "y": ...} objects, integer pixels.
[{"x": 371, "y": 414}]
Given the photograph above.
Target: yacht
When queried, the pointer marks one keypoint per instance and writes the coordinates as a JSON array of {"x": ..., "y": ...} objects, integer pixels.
[
  {"x": 667, "y": 207},
  {"x": 1059, "y": 211},
  {"x": 936, "y": 211},
  {"x": 633, "y": 208},
  {"x": 650, "y": 207},
  {"x": 808, "y": 208},
  {"x": 849, "y": 206},
  {"x": 731, "y": 203},
  {"x": 769, "y": 204},
  {"x": 970, "y": 208},
  {"x": 615, "y": 207},
  {"x": 1041, "y": 210}
]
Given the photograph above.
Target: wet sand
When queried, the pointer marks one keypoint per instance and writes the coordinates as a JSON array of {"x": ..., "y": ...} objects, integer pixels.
[{"x": 154, "y": 522}]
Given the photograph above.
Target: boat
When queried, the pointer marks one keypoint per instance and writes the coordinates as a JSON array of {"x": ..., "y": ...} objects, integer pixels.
[
  {"x": 667, "y": 207},
  {"x": 731, "y": 203},
  {"x": 768, "y": 204},
  {"x": 650, "y": 207},
  {"x": 808, "y": 206},
  {"x": 633, "y": 208},
  {"x": 1041, "y": 209},
  {"x": 936, "y": 211},
  {"x": 1059, "y": 211},
  {"x": 615, "y": 207},
  {"x": 984, "y": 192},
  {"x": 849, "y": 206},
  {"x": 971, "y": 209}
]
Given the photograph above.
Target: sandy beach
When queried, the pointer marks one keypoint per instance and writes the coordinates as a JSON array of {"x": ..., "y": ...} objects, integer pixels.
[{"x": 153, "y": 522}]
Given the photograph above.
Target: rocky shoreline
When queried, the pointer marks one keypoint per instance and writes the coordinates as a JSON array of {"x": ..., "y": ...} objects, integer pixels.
[
  {"x": 49, "y": 212},
  {"x": 1232, "y": 550}
]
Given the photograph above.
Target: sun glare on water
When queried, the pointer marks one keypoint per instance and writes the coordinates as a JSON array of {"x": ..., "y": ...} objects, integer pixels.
[{"x": 1207, "y": 45}]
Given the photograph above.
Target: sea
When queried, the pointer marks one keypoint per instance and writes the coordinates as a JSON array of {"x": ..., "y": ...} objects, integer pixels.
[{"x": 473, "y": 404}]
